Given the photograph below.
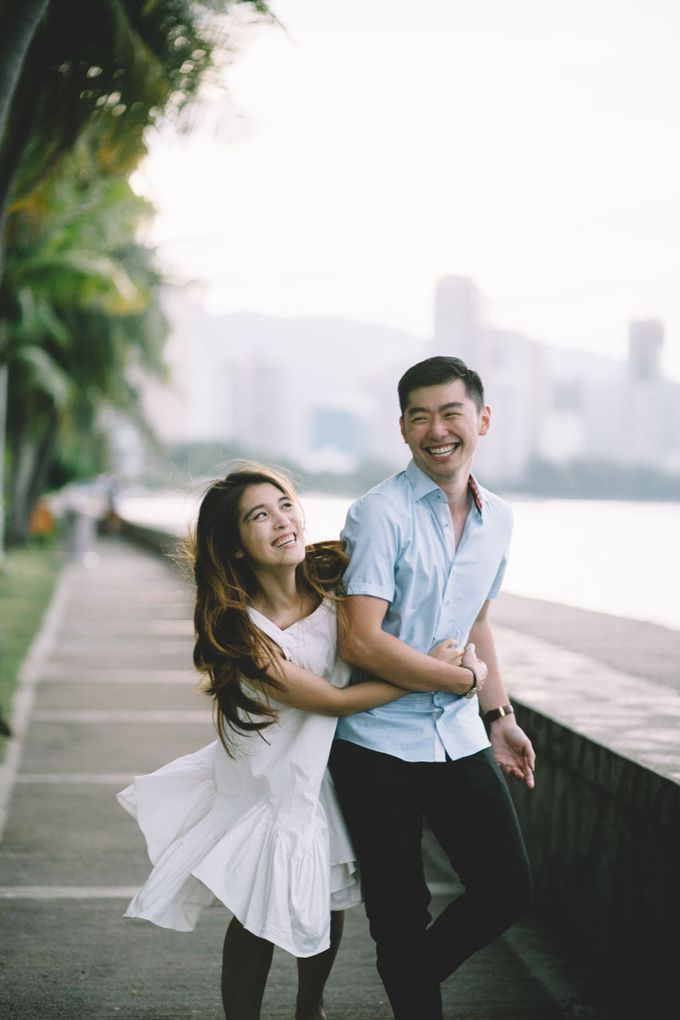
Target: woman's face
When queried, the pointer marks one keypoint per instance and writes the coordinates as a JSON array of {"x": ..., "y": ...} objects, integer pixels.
[{"x": 271, "y": 527}]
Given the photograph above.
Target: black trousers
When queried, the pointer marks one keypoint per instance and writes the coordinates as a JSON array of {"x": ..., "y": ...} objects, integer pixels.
[{"x": 469, "y": 810}]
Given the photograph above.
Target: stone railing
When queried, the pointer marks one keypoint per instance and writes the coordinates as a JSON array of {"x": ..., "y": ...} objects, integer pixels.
[{"x": 603, "y": 823}]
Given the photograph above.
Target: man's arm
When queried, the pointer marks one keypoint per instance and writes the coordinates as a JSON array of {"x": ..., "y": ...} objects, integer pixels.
[
  {"x": 511, "y": 746},
  {"x": 367, "y": 645}
]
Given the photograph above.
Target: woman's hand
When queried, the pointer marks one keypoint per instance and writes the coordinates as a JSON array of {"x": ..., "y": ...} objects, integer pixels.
[
  {"x": 448, "y": 651},
  {"x": 470, "y": 660}
]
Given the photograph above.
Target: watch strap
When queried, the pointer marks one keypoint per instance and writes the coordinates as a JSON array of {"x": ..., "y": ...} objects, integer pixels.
[{"x": 498, "y": 713}]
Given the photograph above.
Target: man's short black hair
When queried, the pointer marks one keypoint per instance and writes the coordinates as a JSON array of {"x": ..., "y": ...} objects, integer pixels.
[{"x": 438, "y": 370}]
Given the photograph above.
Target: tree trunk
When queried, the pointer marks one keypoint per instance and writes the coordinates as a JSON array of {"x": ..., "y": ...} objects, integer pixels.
[
  {"x": 19, "y": 125},
  {"x": 20, "y": 467},
  {"x": 33, "y": 441},
  {"x": 24, "y": 450},
  {"x": 18, "y": 25},
  {"x": 44, "y": 460},
  {"x": 3, "y": 423}
]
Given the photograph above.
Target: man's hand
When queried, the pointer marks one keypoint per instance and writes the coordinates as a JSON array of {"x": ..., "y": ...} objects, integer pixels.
[{"x": 512, "y": 750}]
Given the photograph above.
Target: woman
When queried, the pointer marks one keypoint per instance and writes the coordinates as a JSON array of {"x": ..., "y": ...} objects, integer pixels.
[{"x": 251, "y": 820}]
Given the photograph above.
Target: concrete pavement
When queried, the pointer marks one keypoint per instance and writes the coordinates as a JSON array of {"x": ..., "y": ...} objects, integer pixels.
[{"x": 110, "y": 692}]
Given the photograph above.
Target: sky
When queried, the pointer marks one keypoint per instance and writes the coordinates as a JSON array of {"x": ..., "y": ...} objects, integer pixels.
[{"x": 368, "y": 147}]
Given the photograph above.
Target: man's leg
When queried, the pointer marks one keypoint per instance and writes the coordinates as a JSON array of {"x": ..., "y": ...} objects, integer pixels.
[
  {"x": 381, "y": 801},
  {"x": 472, "y": 815}
]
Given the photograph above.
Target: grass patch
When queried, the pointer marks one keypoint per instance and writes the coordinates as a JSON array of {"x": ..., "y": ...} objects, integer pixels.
[{"x": 27, "y": 580}]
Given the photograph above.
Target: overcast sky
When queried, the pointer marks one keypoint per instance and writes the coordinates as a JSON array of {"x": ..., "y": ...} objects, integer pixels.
[{"x": 375, "y": 145}]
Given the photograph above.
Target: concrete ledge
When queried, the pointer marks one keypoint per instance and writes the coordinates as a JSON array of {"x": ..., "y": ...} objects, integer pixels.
[
  {"x": 603, "y": 824},
  {"x": 156, "y": 539},
  {"x": 605, "y": 854}
]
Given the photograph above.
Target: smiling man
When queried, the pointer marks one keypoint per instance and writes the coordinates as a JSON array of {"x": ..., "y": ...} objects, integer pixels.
[{"x": 428, "y": 548}]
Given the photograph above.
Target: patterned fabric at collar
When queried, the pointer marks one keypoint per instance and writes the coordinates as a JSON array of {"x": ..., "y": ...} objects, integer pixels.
[{"x": 476, "y": 494}]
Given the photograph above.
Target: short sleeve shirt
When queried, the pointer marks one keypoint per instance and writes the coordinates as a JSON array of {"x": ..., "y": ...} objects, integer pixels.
[{"x": 401, "y": 544}]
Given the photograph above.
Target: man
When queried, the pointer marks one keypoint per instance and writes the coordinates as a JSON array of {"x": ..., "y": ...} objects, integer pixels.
[{"x": 428, "y": 548}]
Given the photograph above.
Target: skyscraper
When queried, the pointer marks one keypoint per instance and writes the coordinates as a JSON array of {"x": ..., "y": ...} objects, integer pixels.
[
  {"x": 458, "y": 330},
  {"x": 645, "y": 343}
]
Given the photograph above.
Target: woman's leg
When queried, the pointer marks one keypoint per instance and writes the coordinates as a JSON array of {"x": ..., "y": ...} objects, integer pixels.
[
  {"x": 313, "y": 973},
  {"x": 246, "y": 960}
]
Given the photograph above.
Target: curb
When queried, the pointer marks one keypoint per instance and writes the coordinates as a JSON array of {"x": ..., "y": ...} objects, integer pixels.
[{"x": 24, "y": 695}]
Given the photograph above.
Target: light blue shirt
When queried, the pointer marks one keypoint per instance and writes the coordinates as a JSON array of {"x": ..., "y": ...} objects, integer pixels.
[{"x": 401, "y": 544}]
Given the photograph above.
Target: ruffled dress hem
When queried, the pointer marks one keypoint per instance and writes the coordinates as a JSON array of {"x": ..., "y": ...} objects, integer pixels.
[{"x": 280, "y": 884}]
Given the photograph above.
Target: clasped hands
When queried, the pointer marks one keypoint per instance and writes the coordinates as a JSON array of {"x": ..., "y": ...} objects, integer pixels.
[{"x": 450, "y": 652}]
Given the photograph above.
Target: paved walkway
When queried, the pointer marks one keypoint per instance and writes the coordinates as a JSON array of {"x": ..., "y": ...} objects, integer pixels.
[{"x": 109, "y": 692}]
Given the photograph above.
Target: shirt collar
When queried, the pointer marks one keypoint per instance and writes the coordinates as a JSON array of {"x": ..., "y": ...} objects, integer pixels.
[{"x": 423, "y": 485}]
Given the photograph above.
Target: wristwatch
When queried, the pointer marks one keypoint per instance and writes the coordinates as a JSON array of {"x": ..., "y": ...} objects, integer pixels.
[{"x": 498, "y": 713}]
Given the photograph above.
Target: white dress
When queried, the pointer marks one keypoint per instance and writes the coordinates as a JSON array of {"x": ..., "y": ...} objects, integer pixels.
[{"x": 262, "y": 832}]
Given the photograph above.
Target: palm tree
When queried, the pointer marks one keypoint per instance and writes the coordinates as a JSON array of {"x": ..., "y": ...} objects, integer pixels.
[
  {"x": 18, "y": 26},
  {"x": 82, "y": 302},
  {"x": 113, "y": 67},
  {"x": 126, "y": 63}
]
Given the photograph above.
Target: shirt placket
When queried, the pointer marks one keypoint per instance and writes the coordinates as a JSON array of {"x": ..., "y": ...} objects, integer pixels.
[{"x": 443, "y": 515}]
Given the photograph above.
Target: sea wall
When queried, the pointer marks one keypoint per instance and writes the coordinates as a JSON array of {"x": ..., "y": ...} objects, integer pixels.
[
  {"x": 602, "y": 834},
  {"x": 152, "y": 538},
  {"x": 603, "y": 822}
]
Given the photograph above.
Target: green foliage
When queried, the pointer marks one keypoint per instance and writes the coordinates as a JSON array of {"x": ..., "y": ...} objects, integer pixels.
[
  {"x": 115, "y": 67},
  {"x": 80, "y": 298},
  {"x": 27, "y": 581},
  {"x": 79, "y": 306}
]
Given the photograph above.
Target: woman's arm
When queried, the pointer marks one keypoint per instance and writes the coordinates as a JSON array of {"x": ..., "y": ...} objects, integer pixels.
[
  {"x": 368, "y": 646},
  {"x": 298, "y": 688}
]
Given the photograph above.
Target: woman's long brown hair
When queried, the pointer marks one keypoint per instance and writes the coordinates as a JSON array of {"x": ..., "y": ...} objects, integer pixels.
[{"x": 229, "y": 647}]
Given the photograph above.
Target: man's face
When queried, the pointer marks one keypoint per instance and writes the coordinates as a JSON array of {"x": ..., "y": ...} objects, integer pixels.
[{"x": 442, "y": 426}]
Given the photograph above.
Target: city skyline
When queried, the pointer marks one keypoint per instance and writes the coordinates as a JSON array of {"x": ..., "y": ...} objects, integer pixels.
[
  {"x": 275, "y": 387},
  {"x": 369, "y": 149}
]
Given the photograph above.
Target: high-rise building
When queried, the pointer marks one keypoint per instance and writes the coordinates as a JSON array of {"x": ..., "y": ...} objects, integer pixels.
[
  {"x": 458, "y": 329},
  {"x": 645, "y": 343}
]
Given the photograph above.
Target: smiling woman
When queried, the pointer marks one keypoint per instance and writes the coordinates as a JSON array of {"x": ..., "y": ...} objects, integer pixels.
[{"x": 271, "y": 527}]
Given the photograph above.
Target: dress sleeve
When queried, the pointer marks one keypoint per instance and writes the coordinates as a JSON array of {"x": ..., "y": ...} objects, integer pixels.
[{"x": 372, "y": 538}]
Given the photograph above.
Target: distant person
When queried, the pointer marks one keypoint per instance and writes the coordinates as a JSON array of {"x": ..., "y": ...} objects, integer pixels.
[
  {"x": 427, "y": 549},
  {"x": 252, "y": 819},
  {"x": 111, "y": 523}
]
